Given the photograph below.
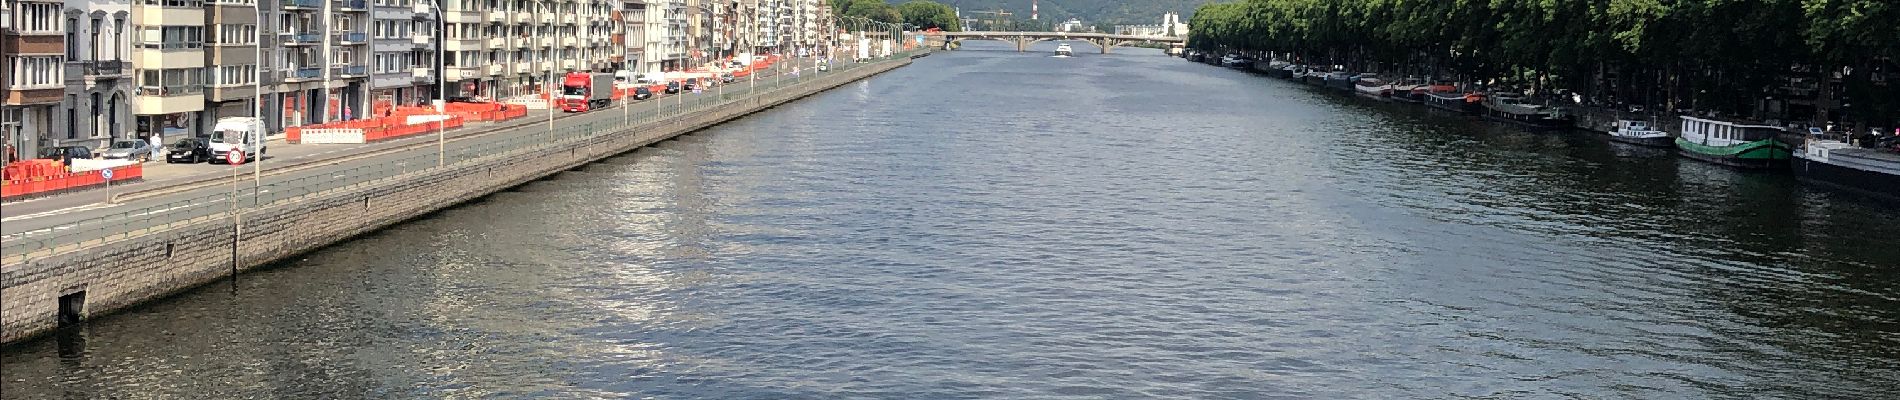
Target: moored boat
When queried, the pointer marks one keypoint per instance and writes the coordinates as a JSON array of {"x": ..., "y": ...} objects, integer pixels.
[
  {"x": 1063, "y": 50},
  {"x": 1449, "y": 98},
  {"x": 1641, "y": 133},
  {"x": 1339, "y": 80},
  {"x": 1371, "y": 86},
  {"x": 1840, "y": 164},
  {"x": 1514, "y": 109},
  {"x": 1732, "y": 143}
]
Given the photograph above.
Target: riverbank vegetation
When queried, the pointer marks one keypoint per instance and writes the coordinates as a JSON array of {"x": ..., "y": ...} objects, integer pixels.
[{"x": 1798, "y": 60}]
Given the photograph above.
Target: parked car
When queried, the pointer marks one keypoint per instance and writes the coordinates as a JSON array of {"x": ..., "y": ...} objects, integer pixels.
[
  {"x": 189, "y": 150},
  {"x": 63, "y": 152},
  {"x": 129, "y": 149},
  {"x": 642, "y": 93},
  {"x": 726, "y": 78},
  {"x": 672, "y": 87},
  {"x": 691, "y": 84},
  {"x": 824, "y": 66}
]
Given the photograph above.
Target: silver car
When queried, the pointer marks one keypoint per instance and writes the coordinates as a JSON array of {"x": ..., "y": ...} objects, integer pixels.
[{"x": 137, "y": 150}]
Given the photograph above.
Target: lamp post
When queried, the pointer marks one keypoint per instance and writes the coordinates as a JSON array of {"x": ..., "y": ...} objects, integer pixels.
[{"x": 441, "y": 89}]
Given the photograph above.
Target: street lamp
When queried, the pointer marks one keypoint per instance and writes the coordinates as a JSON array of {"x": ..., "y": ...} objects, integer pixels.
[{"x": 441, "y": 88}]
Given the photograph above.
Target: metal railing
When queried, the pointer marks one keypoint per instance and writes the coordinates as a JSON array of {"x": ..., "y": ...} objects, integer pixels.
[
  {"x": 312, "y": 179},
  {"x": 303, "y": 3}
]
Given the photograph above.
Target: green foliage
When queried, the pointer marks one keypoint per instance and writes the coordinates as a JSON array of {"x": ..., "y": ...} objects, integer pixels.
[
  {"x": 929, "y": 14},
  {"x": 1704, "y": 54},
  {"x": 875, "y": 10}
]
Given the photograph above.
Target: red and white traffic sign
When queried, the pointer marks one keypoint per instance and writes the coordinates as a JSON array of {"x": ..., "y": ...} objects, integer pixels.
[{"x": 235, "y": 157}]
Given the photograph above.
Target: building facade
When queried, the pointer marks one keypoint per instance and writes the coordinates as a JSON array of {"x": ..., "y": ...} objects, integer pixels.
[
  {"x": 34, "y": 48},
  {"x": 98, "y": 88},
  {"x": 1170, "y": 26}
]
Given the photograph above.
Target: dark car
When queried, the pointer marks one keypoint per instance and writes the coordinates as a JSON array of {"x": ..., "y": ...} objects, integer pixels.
[
  {"x": 672, "y": 87},
  {"x": 63, "y": 152},
  {"x": 691, "y": 83},
  {"x": 727, "y": 78},
  {"x": 189, "y": 150},
  {"x": 642, "y": 93}
]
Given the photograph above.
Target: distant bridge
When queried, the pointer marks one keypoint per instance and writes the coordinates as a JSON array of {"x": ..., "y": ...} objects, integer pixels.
[{"x": 1024, "y": 39}]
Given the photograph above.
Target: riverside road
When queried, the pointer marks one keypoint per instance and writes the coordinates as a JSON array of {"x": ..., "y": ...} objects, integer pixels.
[
  {"x": 984, "y": 223},
  {"x": 58, "y": 216}
]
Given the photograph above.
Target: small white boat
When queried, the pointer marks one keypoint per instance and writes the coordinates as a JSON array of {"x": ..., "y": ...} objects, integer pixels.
[
  {"x": 1063, "y": 50},
  {"x": 1641, "y": 133}
]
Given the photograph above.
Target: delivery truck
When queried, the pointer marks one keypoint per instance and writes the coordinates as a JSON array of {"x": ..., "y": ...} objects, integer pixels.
[{"x": 583, "y": 91}]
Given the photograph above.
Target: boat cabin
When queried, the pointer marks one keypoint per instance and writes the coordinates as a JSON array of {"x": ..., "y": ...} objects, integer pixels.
[{"x": 1722, "y": 133}]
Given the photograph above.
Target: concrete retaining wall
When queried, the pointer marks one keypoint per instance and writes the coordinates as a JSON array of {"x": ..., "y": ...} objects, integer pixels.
[{"x": 148, "y": 265}]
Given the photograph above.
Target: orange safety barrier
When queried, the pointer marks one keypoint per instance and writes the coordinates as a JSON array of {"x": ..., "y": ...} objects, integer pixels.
[{"x": 64, "y": 181}]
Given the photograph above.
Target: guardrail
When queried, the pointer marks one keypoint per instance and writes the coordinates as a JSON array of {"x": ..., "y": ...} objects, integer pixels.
[{"x": 419, "y": 157}]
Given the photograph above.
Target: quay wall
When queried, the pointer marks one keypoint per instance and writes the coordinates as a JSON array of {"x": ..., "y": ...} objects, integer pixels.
[{"x": 96, "y": 278}]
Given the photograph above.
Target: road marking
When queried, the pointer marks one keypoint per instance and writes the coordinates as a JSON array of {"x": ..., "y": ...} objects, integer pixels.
[{"x": 93, "y": 206}]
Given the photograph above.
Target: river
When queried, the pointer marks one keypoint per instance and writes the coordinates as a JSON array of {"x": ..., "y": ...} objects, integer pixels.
[{"x": 988, "y": 224}]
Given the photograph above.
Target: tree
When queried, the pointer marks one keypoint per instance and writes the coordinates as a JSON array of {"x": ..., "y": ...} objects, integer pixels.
[
  {"x": 930, "y": 14},
  {"x": 875, "y": 10}
]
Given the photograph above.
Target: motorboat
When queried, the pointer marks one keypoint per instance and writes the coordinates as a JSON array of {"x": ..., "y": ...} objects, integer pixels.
[
  {"x": 1370, "y": 85},
  {"x": 1517, "y": 110},
  {"x": 1064, "y": 50},
  {"x": 1641, "y": 133}
]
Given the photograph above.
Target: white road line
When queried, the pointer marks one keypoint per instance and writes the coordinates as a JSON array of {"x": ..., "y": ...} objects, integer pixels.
[{"x": 93, "y": 206}]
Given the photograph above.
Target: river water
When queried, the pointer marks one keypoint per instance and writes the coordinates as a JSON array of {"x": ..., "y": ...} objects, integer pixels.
[{"x": 988, "y": 224}]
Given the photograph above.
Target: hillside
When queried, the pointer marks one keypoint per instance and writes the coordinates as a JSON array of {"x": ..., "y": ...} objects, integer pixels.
[{"x": 1090, "y": 11}]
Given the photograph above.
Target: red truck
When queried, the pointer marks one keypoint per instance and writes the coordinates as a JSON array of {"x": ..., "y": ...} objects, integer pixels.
[{"x": 583, "y": 91}]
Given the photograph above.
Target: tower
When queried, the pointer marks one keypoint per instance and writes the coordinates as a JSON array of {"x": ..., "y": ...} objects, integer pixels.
[{"x": 1032, "y": 10}]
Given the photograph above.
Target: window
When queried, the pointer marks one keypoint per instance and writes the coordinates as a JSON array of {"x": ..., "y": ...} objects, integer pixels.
[
  {"x": 38, "y": 18},
  {"x": 118, "y": 36},
  {"x": 171, "y": 82},
  {"x": 231, "y": 2},
  {"x": 243, "y": 34},
  {"x": 97, "y": 24},
  {"x": 171, "y": 37},
  {"x": 173, "y": 3},
  {"x": 37, "y": 72},
  {"x": 234, "y": 75},
  {"x": 72, "y": 37}
]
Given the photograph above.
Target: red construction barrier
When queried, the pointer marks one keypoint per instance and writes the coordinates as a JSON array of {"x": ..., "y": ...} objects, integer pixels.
[{"x": 64, "y": 181}]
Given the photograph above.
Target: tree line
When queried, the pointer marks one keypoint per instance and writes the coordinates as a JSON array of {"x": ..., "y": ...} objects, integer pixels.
[
  {"x": 921, "y": 14},
  {"x": 1735, "y": 57}
]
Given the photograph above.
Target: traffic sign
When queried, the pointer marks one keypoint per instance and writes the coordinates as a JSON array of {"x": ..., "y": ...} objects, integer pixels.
[
  {"x": 235, "y": 157},
  {"x": 107, "y": 173}
]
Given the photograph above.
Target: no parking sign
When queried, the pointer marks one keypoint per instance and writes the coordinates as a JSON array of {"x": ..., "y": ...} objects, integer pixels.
[{"x": 235, "y": 157}]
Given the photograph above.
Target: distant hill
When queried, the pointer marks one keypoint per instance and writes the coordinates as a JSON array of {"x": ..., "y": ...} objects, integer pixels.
[{"x": 1089, "y": 11}]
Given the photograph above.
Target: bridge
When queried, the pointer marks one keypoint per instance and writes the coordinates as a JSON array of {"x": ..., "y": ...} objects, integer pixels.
[{"x": 1024, "y": 39}]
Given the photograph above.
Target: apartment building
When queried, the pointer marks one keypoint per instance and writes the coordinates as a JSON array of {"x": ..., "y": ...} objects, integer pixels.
[
  {"x": 401, "y": 67},
  {"x": 34, "y": 47},
  {"x": 631, "y": 37},
  {"x": 98, "y": 82},
  {"x": 677, "y": 37},
  {"x": 232, "y": 61}
]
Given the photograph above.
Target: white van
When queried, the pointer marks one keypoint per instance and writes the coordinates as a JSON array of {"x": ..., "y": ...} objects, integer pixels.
[{"x": 240, "y": 133}]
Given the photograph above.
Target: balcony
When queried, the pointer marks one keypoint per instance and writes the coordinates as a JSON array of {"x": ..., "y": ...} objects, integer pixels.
[
  {"x": 423, "y": 11},
  {"x": 352, "y": 5},
  {"x": 421, "y": 41},
  {"x": 106, "y": 69},
  {"x": 494, "y": 70},
  {"x": 546, "y": 18},
  {"x": 351, "y": 71},
  {"x": 544, "y": 41},
  {"x": 619, "y": 39},
  {"x": 423, "y": 74},
  {"x": 463, "y": 73},
  {"x": 302, "y": 75},
  {"x": 569, "y": 65},
  {"x": 299, "y": 39},
  {"x": 302, "y": 4},
  {"x": 497, "y": 16},
  {"x": 352, "y": 38},
  {"x": 569, "y": 19},
  {"x": 497, "y": 43},
  {"x": 523, "y": 67},
  {"x": 568, "y": 41}
]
